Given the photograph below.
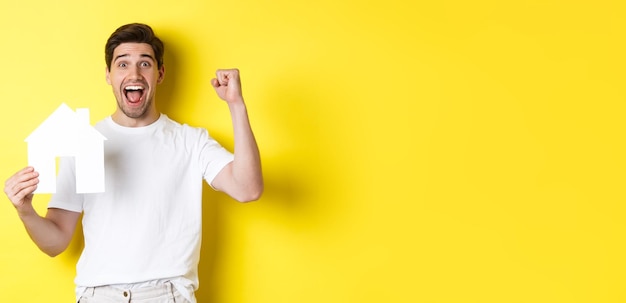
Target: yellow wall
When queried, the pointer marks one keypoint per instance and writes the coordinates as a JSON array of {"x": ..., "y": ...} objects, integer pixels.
[{"x": 414, "y": 151}]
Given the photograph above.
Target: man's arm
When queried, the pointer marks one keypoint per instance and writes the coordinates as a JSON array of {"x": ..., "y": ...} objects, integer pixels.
[
  {"x": 51, "y": 233},
  {"x": 241, "y": 179}
]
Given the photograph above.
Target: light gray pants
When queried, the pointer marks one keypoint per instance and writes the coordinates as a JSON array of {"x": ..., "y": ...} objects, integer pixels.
[{"x": 164, "y": 293}]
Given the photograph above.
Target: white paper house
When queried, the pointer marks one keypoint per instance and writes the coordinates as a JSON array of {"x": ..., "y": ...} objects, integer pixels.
[{"x": 66, "y": 133}]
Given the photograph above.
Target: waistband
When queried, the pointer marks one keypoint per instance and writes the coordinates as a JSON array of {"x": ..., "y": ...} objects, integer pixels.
[{"x": 125, "y": 295}]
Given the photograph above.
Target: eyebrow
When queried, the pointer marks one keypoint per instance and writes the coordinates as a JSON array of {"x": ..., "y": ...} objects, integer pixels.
[{"x": 142, "y": 56}]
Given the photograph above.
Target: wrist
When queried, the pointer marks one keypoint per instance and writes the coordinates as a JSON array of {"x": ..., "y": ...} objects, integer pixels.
[
  {"x": 237, "y": 104},
  {"x": 25, "y": 211}
]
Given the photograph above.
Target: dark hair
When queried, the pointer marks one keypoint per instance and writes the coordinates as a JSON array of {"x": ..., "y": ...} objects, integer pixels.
[{"x": 134, "y": 33}]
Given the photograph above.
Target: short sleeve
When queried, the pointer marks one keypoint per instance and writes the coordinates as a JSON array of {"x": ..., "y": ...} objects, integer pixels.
[{"x": 212, "y": 156}]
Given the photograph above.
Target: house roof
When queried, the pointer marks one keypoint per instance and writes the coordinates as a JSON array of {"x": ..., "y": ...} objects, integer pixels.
[{"x": 64, "y": 123}]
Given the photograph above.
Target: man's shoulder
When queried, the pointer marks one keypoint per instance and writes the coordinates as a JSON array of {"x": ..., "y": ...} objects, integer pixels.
[
  {"x": 102, "y": 123},
  {"x": 173, "y": 124},
  {"x": 191, "y": 134}
]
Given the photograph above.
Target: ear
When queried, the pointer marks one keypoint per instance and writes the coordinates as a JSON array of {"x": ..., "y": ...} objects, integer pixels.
[
  {"x": 108, "y": 75},
  {"x": 161, "y": 74}
]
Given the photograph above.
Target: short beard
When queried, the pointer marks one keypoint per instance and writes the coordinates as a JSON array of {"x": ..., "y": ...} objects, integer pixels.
[{"x": 136, "y": 113}]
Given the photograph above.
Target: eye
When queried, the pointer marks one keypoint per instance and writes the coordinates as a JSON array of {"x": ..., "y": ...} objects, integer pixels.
[
  {"x": 145, "y": 64},
  {"x": 122, "y": 64}
]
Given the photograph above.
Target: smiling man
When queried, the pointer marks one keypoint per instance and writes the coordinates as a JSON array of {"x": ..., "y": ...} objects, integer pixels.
[
  {"x": 142, "y": 235},
  {"x": 134, "y": 73}
]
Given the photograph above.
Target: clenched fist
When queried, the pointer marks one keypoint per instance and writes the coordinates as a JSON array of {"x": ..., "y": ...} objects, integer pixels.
[{"x": 227, "y": 85}]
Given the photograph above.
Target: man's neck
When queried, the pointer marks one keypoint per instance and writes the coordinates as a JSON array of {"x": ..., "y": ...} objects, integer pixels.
[{"x": 120, "y": 118}]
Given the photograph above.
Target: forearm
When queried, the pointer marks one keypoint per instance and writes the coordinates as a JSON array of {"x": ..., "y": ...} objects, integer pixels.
[
  {"x": 46, "y": 234},
  {"x": 246, "y": 167}
]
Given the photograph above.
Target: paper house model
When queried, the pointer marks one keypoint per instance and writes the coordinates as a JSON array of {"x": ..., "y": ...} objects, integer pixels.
[{"x": 66, "y": 133}]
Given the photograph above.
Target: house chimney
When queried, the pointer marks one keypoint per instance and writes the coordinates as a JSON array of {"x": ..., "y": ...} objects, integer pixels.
[{"x": 83, "y": 115}]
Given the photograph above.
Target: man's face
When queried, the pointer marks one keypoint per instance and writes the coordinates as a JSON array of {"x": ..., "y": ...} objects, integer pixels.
[{"x": 134, "y": 75}]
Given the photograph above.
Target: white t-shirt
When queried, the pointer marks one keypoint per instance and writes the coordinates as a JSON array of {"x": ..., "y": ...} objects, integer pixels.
[{"x": 147, "y": 225}]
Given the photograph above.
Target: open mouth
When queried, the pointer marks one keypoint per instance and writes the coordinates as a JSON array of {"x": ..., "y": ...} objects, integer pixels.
[{"x": 134, "y": 93}]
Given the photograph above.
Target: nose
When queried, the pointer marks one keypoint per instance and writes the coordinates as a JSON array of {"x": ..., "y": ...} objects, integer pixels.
[{"x": 134, "y": 73}]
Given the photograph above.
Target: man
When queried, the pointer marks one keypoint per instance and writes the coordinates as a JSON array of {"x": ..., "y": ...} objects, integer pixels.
[{"x": 142, "y": 235}]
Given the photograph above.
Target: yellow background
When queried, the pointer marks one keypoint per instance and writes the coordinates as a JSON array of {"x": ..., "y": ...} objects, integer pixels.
[{"x": 414, "y": 151}]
